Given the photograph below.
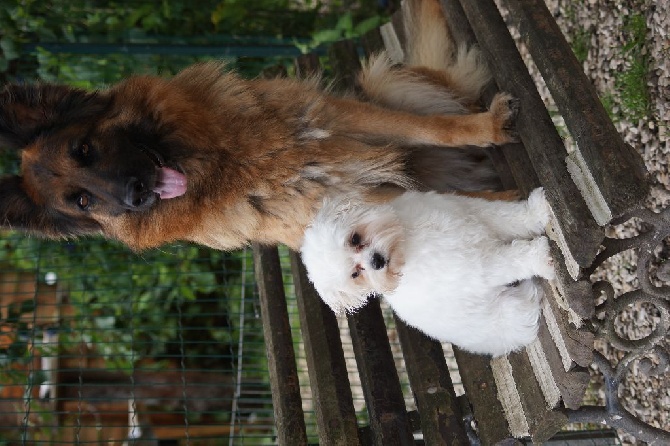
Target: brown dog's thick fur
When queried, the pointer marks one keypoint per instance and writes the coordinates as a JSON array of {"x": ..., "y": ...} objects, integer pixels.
[{"x": 235, "y": 160}]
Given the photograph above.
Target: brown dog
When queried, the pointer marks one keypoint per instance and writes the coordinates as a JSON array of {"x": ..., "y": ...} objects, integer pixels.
[{"x": 211, "y": 158}]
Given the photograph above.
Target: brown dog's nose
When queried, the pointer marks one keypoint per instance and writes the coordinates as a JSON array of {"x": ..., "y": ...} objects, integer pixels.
[{"x": 137, "y": 194}]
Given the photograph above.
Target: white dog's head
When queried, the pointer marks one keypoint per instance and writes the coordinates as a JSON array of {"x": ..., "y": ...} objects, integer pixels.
[{"x": 353, "y": 250}]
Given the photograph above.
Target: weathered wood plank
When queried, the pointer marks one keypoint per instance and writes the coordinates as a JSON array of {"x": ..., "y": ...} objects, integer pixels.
[
  {"x": 307, "y": 65},
  {"x": 572, "y": 383},
  {"x": 439, "y": 409},
  {"x": 482, "y": 392},
  {"x": 389, "y": 422},
  {"x": 346, "y": 65},
  {"x": 286, "y": 399},
  {"x": 334, "y": 406},
  {"x": 329, "y": 381},
  {"x": 542, "y": 421},
  {"x": 574, "y": 344},
  {"x": 614, "y": 172},
  {"x": 545, "y": 149}
]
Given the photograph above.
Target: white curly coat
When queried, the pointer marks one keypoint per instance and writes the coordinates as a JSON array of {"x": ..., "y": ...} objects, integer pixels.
[{"x": 462, "y": 270}]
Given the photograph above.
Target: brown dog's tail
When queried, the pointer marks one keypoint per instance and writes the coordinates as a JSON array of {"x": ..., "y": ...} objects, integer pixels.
[
  {"x": 429, "y": 44},
  {"x": 435, "y": 76},
  {"x": 438, "y": 77}
]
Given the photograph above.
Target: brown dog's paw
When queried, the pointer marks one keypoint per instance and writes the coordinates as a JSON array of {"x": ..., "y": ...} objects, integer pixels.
[{"x": 505, "y": 109}]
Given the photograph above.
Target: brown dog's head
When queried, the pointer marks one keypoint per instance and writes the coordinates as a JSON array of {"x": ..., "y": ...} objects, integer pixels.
[{"x": 84, "y": 160}]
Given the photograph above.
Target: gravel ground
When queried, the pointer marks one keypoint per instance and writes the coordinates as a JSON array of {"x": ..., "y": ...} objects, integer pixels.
[{"x": 600, "y": 31}]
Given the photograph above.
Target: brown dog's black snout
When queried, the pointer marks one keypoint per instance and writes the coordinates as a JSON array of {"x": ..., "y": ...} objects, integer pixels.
[
  {"x": 138, "y": 195},
  {"x": 378, "y": 261}
]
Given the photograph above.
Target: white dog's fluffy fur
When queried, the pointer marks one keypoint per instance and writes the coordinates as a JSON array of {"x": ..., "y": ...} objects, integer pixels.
[{"x": 459, "y": 269}]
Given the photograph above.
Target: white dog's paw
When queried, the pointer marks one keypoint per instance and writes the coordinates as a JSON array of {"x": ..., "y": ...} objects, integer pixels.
[
  {"x": 539, "y": 208},
  {"x": 545, "y": 263}
]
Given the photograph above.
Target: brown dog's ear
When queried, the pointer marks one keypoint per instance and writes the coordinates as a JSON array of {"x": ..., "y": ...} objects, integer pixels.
[
  {"x": 19, "y": 212},
  {"x": 26, "y": 111}
]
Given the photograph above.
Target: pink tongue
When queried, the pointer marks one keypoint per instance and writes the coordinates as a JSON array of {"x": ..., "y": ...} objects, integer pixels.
[{"x": 170, "y": 183}]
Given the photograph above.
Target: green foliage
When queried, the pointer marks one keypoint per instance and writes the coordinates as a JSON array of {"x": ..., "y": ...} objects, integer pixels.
[
  {"x": 343, "y": 29},
  {"x": 581, "y": 43},
  {"x": 131, "y": 306},
  {"x": 635, "y": 28},
  {"x": 580, "y": 38},
  {"x": 91, "y": 71},
  {"x": 631, "y": 83},
  {"x": 609, "y": 101},
  {"x": 15, "y": 334},
  {"x": 632, "y": 94},
  {"x": 173, "y": 22}
]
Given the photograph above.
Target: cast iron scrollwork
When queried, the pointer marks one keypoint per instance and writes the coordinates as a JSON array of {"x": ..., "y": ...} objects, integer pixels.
[{"x": 648, "y": 352}]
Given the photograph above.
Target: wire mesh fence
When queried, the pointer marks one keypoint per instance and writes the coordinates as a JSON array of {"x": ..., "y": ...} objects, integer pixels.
[
  {"x": 109, "y": 345},
  {"x": 103, "y": 346}
]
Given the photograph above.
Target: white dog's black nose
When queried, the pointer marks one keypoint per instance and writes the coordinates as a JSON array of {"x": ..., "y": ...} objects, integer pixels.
[{"x": 378, "y": 261}]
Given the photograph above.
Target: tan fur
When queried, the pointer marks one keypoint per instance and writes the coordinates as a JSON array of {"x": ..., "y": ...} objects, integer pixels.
[
  {"x": 259, "y": 155},
  {"x": 269, "y": 160}
]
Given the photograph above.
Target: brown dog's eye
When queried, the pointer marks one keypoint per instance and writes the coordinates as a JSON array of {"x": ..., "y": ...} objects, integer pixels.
[
  {"x": 356, "y": 239},
  {"x": 83, "y": 153},
  {"x": 84, "y": 201}
]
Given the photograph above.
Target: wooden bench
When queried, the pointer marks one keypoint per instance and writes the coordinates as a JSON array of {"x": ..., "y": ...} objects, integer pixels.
[{"x": 531, "y": 393}]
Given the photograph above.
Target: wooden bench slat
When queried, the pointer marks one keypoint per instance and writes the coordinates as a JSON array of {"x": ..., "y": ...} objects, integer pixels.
[
  {"x": 326, "y": 364},
  {"x": 544, "y": 146},
  {"x": 615, "y": 168},
  {"x": 329, "y": 381},
  {"x": 575, "y": 344},
  {"x": 482, "y": 393},
  {"x": 567, "y": 301},
  {"x": 389, "y": 422},
  {"x": 534, "y": 403},
  {"x": 436, "y": 401},
  {"x": 517, "y": 373},
  {"x": 572, "y": 383},
  {"x": 307, "y": 65},
  {"x": 286, "y": 399},
  {"x": 438, "y": 408}
]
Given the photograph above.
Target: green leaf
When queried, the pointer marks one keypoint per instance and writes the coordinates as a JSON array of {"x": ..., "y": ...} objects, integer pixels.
[
  {"x": 327, "y": 35},
  {"x": 8, "y": 48},
  {"x": 345, "y": 23},
  {"x": 367, "y": 25}
]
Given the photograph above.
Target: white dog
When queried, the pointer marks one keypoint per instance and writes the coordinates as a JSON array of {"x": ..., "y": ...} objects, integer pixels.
[{"x": 459, "y": 269}]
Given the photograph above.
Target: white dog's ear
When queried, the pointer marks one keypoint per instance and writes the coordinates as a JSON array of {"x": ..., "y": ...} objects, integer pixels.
[{"x": 338, "y": 205}]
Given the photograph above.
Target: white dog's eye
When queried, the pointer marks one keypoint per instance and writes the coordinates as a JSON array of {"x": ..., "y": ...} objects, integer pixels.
[
  {"x": 355, "y": 274},
  {"x": 355, "y": 239}
]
